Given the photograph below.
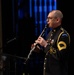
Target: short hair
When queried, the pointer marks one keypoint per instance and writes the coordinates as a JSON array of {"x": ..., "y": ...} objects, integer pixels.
[{"x": 57, "y": 13}]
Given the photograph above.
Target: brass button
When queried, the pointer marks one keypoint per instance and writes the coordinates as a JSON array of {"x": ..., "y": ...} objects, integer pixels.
[
  {"x": 44, "y": 63},
  {"x": 44, "y": 68},
  {"x": 45, "y": 58},
  {"x": 54, "y": 30}
]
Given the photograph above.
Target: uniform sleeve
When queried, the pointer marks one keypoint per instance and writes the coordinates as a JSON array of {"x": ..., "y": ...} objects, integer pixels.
[
  {"x": 63, "y": 45},
  {"x": 62, "y": 48}
]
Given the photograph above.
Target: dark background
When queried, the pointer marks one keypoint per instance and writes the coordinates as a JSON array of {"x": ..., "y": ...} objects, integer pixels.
[
  {"x": 17, "y": 37},
  {"x": 67, "y": 8}
]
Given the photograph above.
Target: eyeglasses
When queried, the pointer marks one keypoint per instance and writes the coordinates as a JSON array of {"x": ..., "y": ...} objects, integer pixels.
[{"x": 48, "y": 18}]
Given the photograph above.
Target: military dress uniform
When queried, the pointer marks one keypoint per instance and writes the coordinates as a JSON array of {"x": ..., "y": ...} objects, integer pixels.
[{"x": 56, "y": 58}]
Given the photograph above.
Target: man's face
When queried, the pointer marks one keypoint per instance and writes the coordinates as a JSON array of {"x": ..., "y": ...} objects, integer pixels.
[{"x": 51, "y": 20}]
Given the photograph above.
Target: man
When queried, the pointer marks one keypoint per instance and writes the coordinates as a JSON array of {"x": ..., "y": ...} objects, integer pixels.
[{"x": 56, "y": 46}]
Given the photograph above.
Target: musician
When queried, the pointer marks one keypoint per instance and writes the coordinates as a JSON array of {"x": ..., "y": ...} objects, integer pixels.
[{"x": 56, "y": 46}]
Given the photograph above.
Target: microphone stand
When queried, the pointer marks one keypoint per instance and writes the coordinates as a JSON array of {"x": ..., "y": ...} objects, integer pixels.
[
  {"x": 14, "y": 59},
  {"x": 15, "y": 56},
  {"x": 11, "y": 40},
  {"x": 5, "y": 55}
]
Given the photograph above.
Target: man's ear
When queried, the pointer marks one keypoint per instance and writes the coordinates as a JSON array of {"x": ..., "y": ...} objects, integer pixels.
[{"x": 58, "y": 19}]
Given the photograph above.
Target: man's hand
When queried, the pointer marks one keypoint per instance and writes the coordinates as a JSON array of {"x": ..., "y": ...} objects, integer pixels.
[
  {"x": 37, "y": 48},
  {"x": 41, "y": 41}
]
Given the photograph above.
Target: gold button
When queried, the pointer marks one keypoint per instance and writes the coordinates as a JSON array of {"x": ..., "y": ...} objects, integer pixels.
[
  {"x": 44, "y": 63},
  {"x": 45, "y": 58},
  {"x": 44, "y": 68},
  {"x": 54, "y": 30}
]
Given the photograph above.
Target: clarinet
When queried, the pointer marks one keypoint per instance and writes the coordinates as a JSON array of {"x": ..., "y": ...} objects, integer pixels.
[{"x": 42, "y": 34}]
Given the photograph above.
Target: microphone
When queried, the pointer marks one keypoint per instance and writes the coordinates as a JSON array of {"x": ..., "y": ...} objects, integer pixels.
[{"x": 11, "y": 40}]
